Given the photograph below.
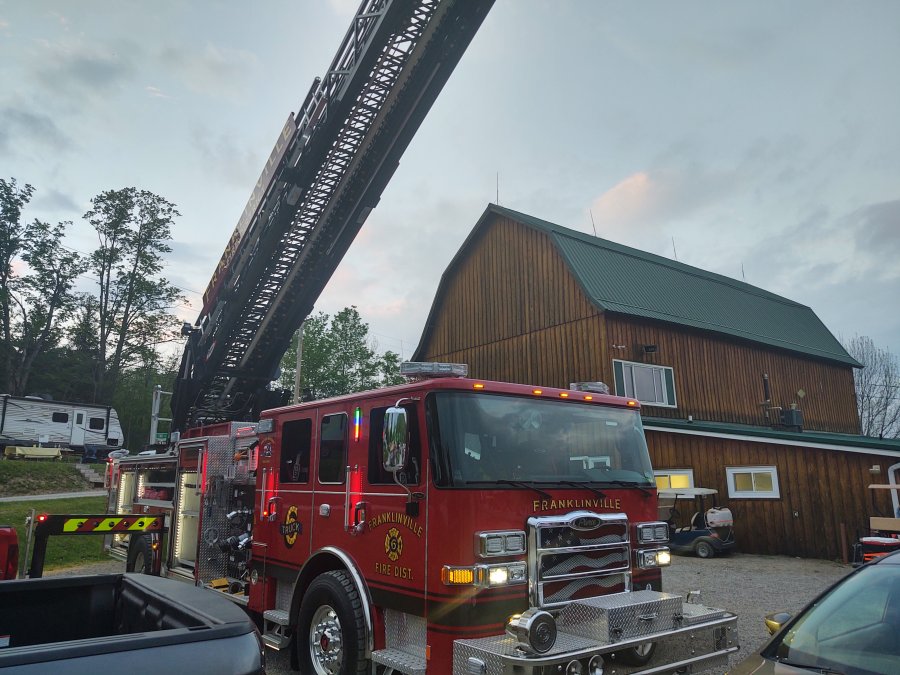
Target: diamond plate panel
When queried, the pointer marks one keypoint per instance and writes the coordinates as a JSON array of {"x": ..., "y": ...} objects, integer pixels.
[
  {"x": 612, "y": 618},
  {"x": 693, "y": 614},
  {"x": 283, "y": 594},
  {"x": 405, "y": 632}
]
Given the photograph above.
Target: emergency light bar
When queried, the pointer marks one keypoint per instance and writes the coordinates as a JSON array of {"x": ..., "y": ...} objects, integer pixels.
[{"x": 423, "y": 369}]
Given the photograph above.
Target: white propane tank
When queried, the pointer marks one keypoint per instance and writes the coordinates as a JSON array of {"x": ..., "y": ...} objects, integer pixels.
[{"x": 719, "y": 517}]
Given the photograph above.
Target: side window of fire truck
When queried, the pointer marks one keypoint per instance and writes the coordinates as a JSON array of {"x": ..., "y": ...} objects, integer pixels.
[
  {"x": 377, "y": 474},
  {"x": 296, "y": 442},
  {"x": 333, "y": 448}
]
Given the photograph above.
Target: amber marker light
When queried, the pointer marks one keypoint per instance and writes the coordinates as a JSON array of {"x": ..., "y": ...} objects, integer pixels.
[
  {"x": 457, "y": 576},
  {"x": 588, "y": 398},
  {"x": 537, "y": 392},
  {"x": 478, "y": 385},
  {"x": 632, "y": 403},
  {"x": 563, "y": 394}
]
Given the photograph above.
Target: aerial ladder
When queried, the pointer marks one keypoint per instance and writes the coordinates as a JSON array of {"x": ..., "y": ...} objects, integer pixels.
[{"x": 330, "y": 164}]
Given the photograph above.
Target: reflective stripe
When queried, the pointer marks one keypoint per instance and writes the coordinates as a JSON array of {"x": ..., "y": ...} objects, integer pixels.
[{"x": 136, "y": 523}]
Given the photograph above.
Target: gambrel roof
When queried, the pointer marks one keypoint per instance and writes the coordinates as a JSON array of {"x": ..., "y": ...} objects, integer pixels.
[{"x": 623, "y": 280}]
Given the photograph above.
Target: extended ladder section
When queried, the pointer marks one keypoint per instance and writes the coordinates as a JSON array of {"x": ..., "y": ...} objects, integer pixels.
[{"x": 327, "y": 171}]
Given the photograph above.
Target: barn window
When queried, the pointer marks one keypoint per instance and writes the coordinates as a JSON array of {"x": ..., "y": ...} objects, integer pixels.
[
  {"x": 651, "y": 385},
  {"x": 674, "y": 479},
  {"x": 60, "y": 417},
  {"x": 753, "y": 482}
]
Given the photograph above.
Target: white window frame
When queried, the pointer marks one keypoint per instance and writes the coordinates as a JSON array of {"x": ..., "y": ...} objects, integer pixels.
[
  {"x": 734, "y": 493},
  {"x": 675, "y": 472},
  {"x": 650, "y": 366}
]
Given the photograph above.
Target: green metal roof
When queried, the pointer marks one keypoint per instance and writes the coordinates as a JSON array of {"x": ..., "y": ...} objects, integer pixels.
[
  {"x": 849, "y": 441},
  {"x": 623, "y": 280}
]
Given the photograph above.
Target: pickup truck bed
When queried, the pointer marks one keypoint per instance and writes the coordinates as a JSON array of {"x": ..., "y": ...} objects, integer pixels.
[{"x": 128, "y": 623}]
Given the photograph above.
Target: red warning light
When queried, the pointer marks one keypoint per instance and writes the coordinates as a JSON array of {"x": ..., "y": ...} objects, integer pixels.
[{"x": 42, "y": 518}]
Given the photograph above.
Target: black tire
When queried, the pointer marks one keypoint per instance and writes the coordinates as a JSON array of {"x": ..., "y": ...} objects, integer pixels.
[
  {"x": 704, "y": 549},
  {"x": 331, "y": 611},
  {"x": 140, "y": 557},
  {"x": 637, "y": 656}
]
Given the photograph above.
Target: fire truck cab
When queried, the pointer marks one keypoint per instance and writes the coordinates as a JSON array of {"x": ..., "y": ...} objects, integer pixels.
[{"x": 495, "y": 527}]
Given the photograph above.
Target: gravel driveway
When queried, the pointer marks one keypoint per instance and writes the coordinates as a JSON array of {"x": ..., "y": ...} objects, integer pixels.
[{"x": 751, "y": 586}]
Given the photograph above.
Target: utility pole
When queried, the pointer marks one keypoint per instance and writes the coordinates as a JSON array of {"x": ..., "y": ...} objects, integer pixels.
[{"x": 299, "y": 358}]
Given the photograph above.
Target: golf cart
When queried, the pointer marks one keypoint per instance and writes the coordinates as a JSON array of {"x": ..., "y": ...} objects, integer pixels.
[{"x": 694, "y": 528}]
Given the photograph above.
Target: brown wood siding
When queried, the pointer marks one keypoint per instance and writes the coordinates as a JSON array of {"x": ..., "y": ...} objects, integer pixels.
[
  {"x": 820, "y": 489},
  {"x": 720, "y": 379},
  {"x": 513, "y": 312}
]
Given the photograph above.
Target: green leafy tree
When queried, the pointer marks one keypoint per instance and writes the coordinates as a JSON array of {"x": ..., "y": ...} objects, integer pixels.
[
  {"x": 338, "y": 358},
  {"x": 12, "y": 234},
  {"x": 46, "y": 299},
  {"x": 133, "y": 230}
]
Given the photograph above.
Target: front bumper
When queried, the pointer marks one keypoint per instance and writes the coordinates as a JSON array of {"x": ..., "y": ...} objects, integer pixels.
[{"x": 696, "y": 638}]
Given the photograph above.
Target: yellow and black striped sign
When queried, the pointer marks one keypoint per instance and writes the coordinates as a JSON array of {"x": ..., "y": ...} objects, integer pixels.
[{"x": 89, "y": 524}]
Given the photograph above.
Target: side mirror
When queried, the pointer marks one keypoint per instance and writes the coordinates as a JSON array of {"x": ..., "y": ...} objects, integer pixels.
[
  {"x": 395, "y": 440},
  {"x": 775, "y": 621}
]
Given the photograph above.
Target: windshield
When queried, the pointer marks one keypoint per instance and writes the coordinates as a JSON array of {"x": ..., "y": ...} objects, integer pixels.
[
  {"x": 478, "y": 438},
  {"x": 852, "y": 630}
]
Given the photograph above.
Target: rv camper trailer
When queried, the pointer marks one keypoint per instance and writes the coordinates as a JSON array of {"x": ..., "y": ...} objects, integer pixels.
[{"x": 32, "y": 421}]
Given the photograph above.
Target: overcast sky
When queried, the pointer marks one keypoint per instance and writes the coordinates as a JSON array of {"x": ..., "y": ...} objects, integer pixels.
[{"x": 757, "y": 140}]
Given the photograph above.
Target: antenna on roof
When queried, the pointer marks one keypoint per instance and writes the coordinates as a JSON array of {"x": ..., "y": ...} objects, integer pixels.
[
  {"x": 591, "y": 211},
  {"x": 673, "y": 249}
]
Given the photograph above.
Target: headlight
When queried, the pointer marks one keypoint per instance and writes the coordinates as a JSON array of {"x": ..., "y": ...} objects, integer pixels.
[
  {"x": 652, "y": 533},
  {"x": 656, "y": 557},
  {"x": 493, "y": 544},
  {"x": 534, "y": 630},
  {"x": 485, "y": 576}
]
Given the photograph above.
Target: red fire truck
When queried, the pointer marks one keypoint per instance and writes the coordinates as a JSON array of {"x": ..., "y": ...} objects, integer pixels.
[{"x": 445, "y": 525}]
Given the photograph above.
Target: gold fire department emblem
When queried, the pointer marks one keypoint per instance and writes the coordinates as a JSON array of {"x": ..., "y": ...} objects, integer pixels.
[
  {"x": 393, "y": 544},
  {"x": 291, "y": 527}
]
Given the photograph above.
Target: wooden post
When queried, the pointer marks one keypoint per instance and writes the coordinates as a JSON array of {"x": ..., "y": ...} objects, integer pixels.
[{"x": 845, "y": 555}]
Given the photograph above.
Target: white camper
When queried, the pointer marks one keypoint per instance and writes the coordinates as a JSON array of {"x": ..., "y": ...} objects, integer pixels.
[{"x": 28, "y": 420}]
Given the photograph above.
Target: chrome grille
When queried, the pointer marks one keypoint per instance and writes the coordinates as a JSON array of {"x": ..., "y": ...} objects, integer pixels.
[{"x": 577, "y": 555}]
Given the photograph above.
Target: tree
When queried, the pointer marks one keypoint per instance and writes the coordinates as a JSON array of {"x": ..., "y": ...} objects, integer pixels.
[
  {"x": 338, "y": 358},
  {"x": 12, "y": 234},
  {"x": 133, "y": 228},
  {"x": 877, "y": 388},
  {"x": 47, "y": 298}
]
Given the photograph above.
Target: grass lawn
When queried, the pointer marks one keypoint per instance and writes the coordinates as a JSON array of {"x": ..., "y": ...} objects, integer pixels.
[
  {"x": 30, "y": 477},
  {"x": 62, "y": 551}
]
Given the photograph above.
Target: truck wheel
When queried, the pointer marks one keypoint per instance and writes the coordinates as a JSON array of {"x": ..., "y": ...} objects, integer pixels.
[
  {"x": 637, "y": 656},
  {"x": 331, "y": 627},
  {"x": 139, "y": 555},
  {"x": 704, "y": 549}
]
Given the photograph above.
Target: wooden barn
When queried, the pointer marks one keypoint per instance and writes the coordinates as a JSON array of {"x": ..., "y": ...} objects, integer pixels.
[{"x": 741, "y": 390}]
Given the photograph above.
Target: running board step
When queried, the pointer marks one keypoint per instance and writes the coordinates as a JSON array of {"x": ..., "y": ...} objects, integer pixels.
[
  {"x": 275, "y": 641},
  {"x": 275, "y": 624},
  {"x": 400, "y": 660}
]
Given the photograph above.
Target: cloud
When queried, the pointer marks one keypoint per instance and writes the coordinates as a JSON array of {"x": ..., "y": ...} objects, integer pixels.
[
  {"x": 75, "y": 69},
  {"x": 55, "y": 201},
  {"x": 214, "y": 71},
  {"x": 22, "y": 127},
  {"x": 651, "y": 200},
  {"x": 238, "y": 166},
  {"x": 877, "y": 228},
  {"x": 155, "y": 92}
]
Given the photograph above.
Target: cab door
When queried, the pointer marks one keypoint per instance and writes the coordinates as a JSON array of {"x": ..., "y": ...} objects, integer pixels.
[{"x": 329, "y": 477}]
